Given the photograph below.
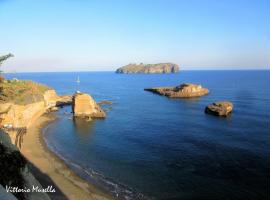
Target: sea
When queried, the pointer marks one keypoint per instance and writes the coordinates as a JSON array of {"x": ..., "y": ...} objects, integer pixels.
[{"x": 153, "y": 147}]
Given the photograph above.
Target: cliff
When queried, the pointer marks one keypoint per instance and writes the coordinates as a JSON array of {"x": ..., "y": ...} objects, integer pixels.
[
  {"x": 84, "y": 105},
  {"x": 22, "y": 102},
  {"x": 186, "y": 90},
  {"x": 149, "y": 68}
]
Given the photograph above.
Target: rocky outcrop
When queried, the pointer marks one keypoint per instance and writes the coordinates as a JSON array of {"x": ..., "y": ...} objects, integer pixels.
[
  {"x": 222, "y": 108},
  {"x": 64, "y": 100},
  {"x": 14, "y": 172},
  {"x": 17, "y": 116},
  {"x": 83, "y": 105},
  {"x": 149, "y": 68},
  {"x": 185, "y": 90}
]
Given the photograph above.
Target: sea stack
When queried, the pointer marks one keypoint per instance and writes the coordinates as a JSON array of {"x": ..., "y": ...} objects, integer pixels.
[
  {"x": 222, "y": 108},
  {"x": 186, "y": 90},
  {"x": 83, "y": 105},
  {"x": 160, "y": 68}
]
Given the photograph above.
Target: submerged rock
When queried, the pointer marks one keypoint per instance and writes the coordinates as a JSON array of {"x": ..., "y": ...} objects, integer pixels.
[
  {"x": 105, "y": 102},
  {"x": 149, "y": 68},
  {"x": 83, "y": 105},
  {"x": 185, "y": 90},
  {"x": 222, "y": 108}
]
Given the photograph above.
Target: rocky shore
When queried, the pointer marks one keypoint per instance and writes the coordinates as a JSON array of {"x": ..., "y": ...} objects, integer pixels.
[
  {"x": 22, "y": 109},
  {"x": 185, "y": 90},
  {"x": 160, "y": 68}
]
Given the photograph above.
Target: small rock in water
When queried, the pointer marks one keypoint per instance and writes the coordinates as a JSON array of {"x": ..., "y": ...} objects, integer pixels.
[
  {"x": 222, "y": 108},
  {"x": 105, "y": 102}
]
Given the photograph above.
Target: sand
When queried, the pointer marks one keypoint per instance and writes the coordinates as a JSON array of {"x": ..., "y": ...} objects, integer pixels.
[{"x": 51, "y": 170}]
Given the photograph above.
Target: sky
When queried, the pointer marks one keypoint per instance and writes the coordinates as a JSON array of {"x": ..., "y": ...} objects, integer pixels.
[{"x": 102, "y": 35}]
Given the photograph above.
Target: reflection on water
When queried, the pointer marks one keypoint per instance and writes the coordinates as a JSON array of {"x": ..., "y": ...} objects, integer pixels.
[{"x": 83, "y": 127}]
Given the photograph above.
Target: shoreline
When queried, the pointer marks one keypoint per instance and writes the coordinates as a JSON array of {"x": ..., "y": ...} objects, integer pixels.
[{"x": 49, "y": 169}]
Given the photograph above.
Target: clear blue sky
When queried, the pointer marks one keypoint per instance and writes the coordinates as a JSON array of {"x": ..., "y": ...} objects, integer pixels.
[{"x": 74, "y": 35}]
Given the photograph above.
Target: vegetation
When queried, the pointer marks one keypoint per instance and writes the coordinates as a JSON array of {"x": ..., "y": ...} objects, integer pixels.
[
  {"x": 21, "y": 92},
  {"x": 5, "y": 57},
  {"x": 2, "y": 59}
]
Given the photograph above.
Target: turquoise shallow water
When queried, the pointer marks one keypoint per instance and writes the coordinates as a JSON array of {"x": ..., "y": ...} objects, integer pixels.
[{"x": 150, "y": 146}]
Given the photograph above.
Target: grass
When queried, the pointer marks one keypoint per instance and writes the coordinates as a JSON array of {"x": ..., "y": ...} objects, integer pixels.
[{"x": 21, "y": 92}]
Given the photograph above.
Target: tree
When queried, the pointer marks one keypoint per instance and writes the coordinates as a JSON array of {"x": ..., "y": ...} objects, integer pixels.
[
  {"x": 2, "y": 59},
  {"x": 5, "y": 57}
]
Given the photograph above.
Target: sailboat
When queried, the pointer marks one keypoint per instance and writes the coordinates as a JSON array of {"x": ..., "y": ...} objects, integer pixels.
[
  {"x": 78, "y": 84},
  {"x": 78, "y": 79}
]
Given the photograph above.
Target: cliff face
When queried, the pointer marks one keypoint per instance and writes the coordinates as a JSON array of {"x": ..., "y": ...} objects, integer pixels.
[
  {"x": 149, "y": 68},
  {"x": 84, "y": 105},
  {"x": 23, "y": 115}
]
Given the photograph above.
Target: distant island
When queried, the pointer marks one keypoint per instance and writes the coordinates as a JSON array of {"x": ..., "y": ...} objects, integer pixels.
[{"x": 160, "y": 68}]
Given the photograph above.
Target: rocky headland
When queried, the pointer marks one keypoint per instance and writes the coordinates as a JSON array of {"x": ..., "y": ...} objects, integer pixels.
[
  {"x": 185, "y": 90},
  {"x": 23, "y": 102},
  {"x": 222, "y": 108},
  {"x": 24, "y": 159},
  {"x": 160, "y": 68}
]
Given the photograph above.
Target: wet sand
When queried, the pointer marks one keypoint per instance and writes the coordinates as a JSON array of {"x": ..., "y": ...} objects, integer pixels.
[{"x": 50, "y": 170}]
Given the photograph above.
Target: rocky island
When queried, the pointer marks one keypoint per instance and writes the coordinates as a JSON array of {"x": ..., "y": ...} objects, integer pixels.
[
  {"x": 160, "y": 68},
  {"x": 84, "y": 106},
  {"x": 186, "y": 90},
  {"x": 221, "y": 108}
]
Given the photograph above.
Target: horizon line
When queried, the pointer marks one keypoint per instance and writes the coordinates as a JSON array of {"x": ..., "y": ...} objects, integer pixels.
[{"x": 194, "y": 69}]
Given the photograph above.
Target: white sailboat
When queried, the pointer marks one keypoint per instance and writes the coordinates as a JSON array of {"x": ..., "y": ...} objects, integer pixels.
[
  {"x": 78, "y": 83},
  {"x": 78, "y": 79}
]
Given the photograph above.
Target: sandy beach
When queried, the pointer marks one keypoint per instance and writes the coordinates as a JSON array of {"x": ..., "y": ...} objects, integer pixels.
[{"x": 50, "y": 170}]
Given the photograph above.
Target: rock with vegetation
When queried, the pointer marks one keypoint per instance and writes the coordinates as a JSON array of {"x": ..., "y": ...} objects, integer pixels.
[
  {"x": 84, "y": 106},
  {"x": 222, "y": 108},
  {"x": 22, "y": 102},
  {"x": 185, "y": 90},
  {"x": 22, "y": 92},
  {"x": 149, "y": 68}
]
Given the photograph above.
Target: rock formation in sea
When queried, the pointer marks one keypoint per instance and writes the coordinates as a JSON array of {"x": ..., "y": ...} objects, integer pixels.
[
  {"x": 186, "y": 90},
  {"x": 149, "y": 68},
  {"x": 83, "y": 105},
  {"x": 222, "y": 108}
]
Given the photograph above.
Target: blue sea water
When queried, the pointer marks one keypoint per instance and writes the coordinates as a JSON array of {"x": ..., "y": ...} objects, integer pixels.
[{"x": 153, "y": 147}]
